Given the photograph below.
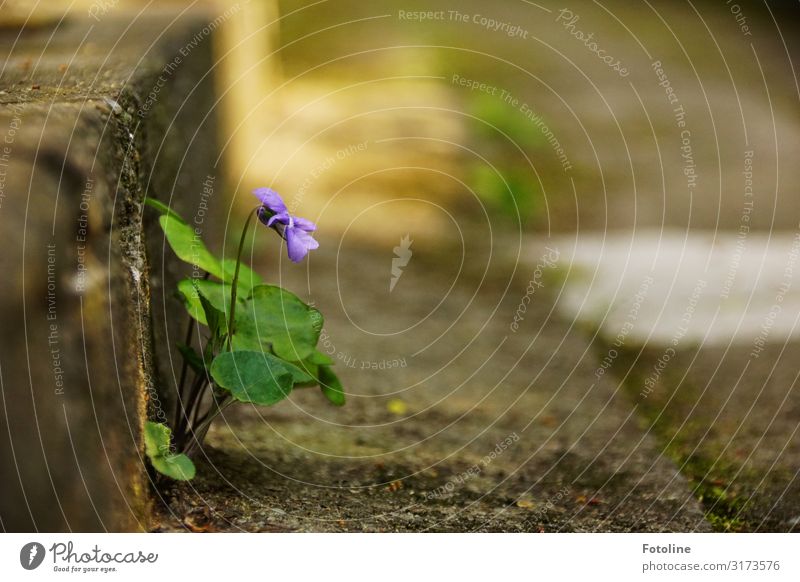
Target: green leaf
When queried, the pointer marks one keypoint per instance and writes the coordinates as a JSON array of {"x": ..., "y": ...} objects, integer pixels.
[
  {"x": 191, "y": 299},
  {"x": 320, "y": 359},
  {"x": 215, "y": 318},
  {"x": 178, "y": 467},
  {"x": 206, "y": 301},
  {"x": 157, "y": 448},
  {"x": 300, "y": 375},
  {"x": 311, "y": 370},
  {"x": 271, "y": 319},
  {"x": 256, "y": 377},
  {"x": 274, "y": 318},
  {"x": 156, "y": 439},
  {"x": 311, "y": 366},
  {"x": 331, "y": 386},
  {"x": 162, "y": 208},
  {"x": 317, "y": 321},
  {"x": 218, "y": 296},
  {"x": 247, "y": 277},
  {"x": 188, "y": 246}
]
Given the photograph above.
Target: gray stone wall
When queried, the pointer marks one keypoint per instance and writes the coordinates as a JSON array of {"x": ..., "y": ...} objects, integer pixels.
[{"x": 93, "y": 116}]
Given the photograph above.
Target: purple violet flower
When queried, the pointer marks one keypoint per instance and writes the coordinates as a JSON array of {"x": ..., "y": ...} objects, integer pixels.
[{"x": 295, "y": 230}]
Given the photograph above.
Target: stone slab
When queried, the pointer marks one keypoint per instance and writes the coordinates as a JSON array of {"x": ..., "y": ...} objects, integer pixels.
[{"x": 83, "y": 146}]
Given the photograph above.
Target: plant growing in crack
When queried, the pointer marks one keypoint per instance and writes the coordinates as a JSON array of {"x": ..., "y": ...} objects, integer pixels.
[{"x": 259, "y": 341}]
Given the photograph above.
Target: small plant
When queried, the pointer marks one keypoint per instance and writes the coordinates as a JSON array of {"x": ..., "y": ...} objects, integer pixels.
[{"x": 259, "y": 341}]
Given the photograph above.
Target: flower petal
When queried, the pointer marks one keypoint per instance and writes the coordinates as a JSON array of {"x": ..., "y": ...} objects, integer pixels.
[
  {"x": 298, "y": 243},
  {"x": 282, "y": 217},
  {"x": 267, "y": 218},
  {"x": 271, "y": 199},
  {"x": 304, "y": 224}
]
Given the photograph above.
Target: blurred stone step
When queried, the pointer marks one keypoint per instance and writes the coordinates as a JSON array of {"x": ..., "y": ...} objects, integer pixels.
[
  {"x": 92, "y": 117},
  {"x": 701, "y": 331}
]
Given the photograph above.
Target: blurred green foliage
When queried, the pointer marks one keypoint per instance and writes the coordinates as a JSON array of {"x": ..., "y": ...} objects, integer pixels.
[{"x": 510, "y": 188}]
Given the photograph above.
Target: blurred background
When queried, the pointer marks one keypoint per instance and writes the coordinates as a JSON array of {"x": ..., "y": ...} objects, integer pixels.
[{"x": 474, "y": 104}]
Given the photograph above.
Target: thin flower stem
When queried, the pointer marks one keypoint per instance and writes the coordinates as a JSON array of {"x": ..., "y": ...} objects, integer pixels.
[
  {"x": 188, "y": 424},
  {"x": 193, "y": 399},
  {"x": 196, "y": 415},
  {"x": 184, "y": 370},
  {"x": 200, "y": 431},
  {"x": 235, "y": 282}
]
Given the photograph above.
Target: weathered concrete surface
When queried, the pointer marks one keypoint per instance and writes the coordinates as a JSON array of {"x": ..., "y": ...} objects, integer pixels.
[
  {"x": 730, "y": 421},
  {"x": 76, "y": 361},
  {"x": 407, "y": 451},
  {"x": 701, "y": 329}
]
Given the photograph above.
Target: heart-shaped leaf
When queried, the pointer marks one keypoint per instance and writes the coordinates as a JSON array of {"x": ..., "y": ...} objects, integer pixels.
[
  {"x": 157, "y": 448},
  {"x": 178, "y": 467},
  {"x": 256, "y": 377},
  {"x": 274, "y": 318}
]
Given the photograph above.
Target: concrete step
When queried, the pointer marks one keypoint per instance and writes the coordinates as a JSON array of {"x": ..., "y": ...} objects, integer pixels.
[
  {"x": 93, "y": 117},
  {"x": 701, "y": 330},
  {"x": 455, "y": 421}
]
